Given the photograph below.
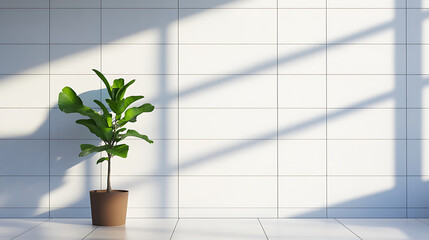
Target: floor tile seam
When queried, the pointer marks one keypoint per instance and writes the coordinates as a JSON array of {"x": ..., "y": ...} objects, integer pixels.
[
  {"x": 174, "y": 229},
  {"x": 348, "y": 228},
  {"x": 30, "y": 229},
  {"x": 263, "y": 229},
  {"x": 90, "y": 232}
]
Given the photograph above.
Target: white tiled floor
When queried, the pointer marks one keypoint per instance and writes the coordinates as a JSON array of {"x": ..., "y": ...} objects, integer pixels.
[{"x": 208, "y": 229}]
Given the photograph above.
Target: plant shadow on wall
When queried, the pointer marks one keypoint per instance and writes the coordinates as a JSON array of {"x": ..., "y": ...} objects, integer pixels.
[
  {"x": 71, "y": 176},
  {"x": 165, "y": 97}
]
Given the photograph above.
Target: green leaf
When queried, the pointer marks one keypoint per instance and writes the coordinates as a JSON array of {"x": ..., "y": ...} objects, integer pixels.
[
  {"x": 129, "y": 100},
  {"x": 106, "y": 114},
  {"x": 119, "y": 150},
  {"x": 117, "y": 85},
  {"x": 134, "y": 133},
  {"x": 120, "y": 130},
  {"x": 89, "y": 148},
  {"x": 108, "y": 132},
  {"x": 118, "y": 136},
  {"x": 121, "y": 92},
  {"x": 119, "y": 107},
  {"x": 99, "y": 120},
  {"x": 68, "y": 100},
  {"x": 104, "y": 108},
  {"x": 106, "y": 83},
  {"x": 105, "y": 134},
  {"x": 102, "y": 160},
  {"x": 116, "y": 106},
  {"x": 92, "y": 127},
  {"x": 132, "y": 113}
]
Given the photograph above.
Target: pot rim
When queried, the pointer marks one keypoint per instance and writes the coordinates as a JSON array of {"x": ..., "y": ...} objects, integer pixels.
[{"x": 105, "y": 191}]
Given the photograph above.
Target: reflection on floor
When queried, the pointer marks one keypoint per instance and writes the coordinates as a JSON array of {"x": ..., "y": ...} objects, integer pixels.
[{"x": 219, "y": 229}]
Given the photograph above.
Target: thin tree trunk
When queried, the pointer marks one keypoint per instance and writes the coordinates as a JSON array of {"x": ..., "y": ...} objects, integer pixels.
[{"x": 109, "y": 188}]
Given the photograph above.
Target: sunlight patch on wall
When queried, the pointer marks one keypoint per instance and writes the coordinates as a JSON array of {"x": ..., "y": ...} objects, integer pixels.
[
  {"x": 32, "y": 124},
  {"x": 343, "y": 23},
  {"x": 355, "y": 91},
  {"x": 139, "y": 26},
  {"x": 14, "y": 94}
]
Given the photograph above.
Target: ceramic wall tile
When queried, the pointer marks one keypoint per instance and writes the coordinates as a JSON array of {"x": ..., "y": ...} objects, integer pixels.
[
  {"x": 228, "y": 26},
  {"x": 139, "y": 26},
  {"x": 80, "y": 25},
  {"x": 227, "y": 59},
  {"x": 302, "y": 4},
  {"x": 227, "y": 124},
  {"x": 24, "y": 157},
  {"x": 25, "y": 26},
  {"x": 366, "y": 26},
  {"x": 366, "y": 191},
  {"x": 366, "y": 91},
  {"x": 227, "y": 4},
  {"x": 312, "y": 24},
  {"x": 139, "y": 3},
  {"x": 366, "y": 4},
  {"x": 75, "y": 4},
  {"x": 34, "y": 94},
  {"x": 367, "y": 124},
  {"x": 302, "y": 157},
  {"x": 24, "y": 59},
  {"x": 228, "y": 91},
  {"x": 36, "y": 127},
  {"x": 366, "y": 157},
  {"x": 141, "y": 59},
  {"x": 228, "y": 157},
  {"x": 367, "y": 59}
]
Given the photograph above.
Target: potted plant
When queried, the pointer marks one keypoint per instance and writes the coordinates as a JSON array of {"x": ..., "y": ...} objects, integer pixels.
[{"x": 108, "y": 207}]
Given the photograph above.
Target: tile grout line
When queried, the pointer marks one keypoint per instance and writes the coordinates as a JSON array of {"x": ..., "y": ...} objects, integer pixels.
[
  {"x": 30, "y": 229},
  {"x": 406, "y": 109},
  {"x": 348, "y": 229},
  {"x": 101, "y": 85},
  {"x": 263, "y": 228},
  {"x": 229, "y": 139},
  {"x": 90, "y": 232},
  {"x": 326, "y": 108},
  {"x": 214, "y": 44},
  {"x": 215, "y": 74},
  {"x": 277, "y": 112},
  {"x": 220, "y": 8},
  {"x": 178, "y": 112},
  {"x": 174, "y": 229},
  {"x": 213, "y": 175},
  {"x": 49, "y": 112},
  {"x": 236, "y": 108}
]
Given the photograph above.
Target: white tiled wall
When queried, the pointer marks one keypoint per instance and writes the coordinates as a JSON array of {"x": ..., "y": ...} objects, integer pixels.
[{"x": 265, "y": 108}]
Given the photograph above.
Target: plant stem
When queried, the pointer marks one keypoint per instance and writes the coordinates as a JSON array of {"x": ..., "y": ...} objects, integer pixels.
[
  {"x": 109, "y": 155},
  {"x": 109, "y": 187}
]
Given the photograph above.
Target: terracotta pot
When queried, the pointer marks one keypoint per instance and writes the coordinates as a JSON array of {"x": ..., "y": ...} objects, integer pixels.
[{"x": 108, "y": 208}]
